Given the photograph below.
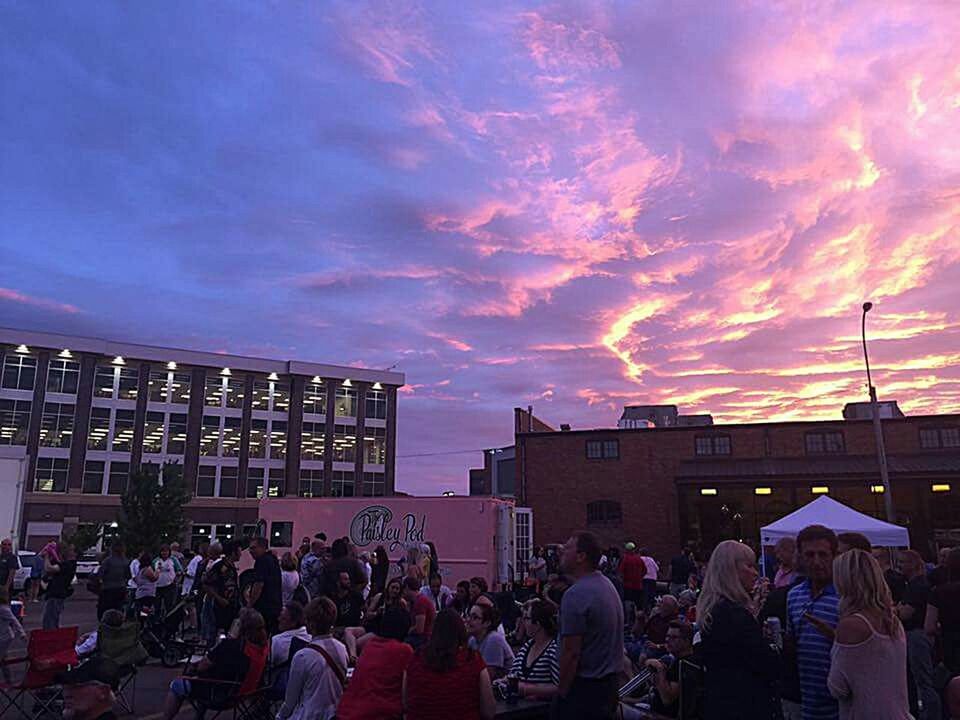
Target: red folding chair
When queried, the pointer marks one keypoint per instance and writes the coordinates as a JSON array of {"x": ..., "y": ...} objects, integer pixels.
[
  {"x": 246, "y": 699},
  {"x": 49, "y": 652}
]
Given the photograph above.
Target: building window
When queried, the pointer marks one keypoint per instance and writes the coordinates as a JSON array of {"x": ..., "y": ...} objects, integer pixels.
[
  {"x": 177, "y": 434},
  {"x": 153, "y": 433},
  {"x": 158, "y": 388},
  {"x": 51, "y": 475},
  {"x": 374, "y": 484},
  {"x": 93, "y": 477},
  {"x": 315, "y": 399},
  {"x": 180, "y": 389},
  {"x": 228, "y": 482},
  {"x": 14, "y": 421},
  {"x": 821, "y": 443},
  {"x": 344, "y": 443},
  {"x": 603, "y": 449},
  {"x": 376, "y": 404},
  {"x": 103, "y": 381},
  {"x": 342, "y": 485},
  {"x": 258, "y": 438},
  {"x": 312, "y": 441},
  {"x": 281, "y": 534},
  {"x": 255, "y": 482},
  {"x": 278, "y": 440},
  {"x": 123, "y": 424},
  {"x": 712, "y": 445},
  {"x": 56, "y": 428},
  {"x": 261, "y": 395},
  {"x": 275, "y": 482},
  {"x": 127, "y": 384},
  {"x": 604, "y": 513},
  {"x": 231, "y": 436},
  {"x": 210, "y": 436},
  {"x": 19, "y": 372},
  {"x": 235, "y": 392},
  {"x": 206, "y": 480},
  {"x": 99, "y": 428},
  {"x": 63, "y": 376},
  {"x": 936, "y": 438},
  {"x": 374, "y": 446},
  {"x": 213, "y": 392},
  {"x": 311, "y": 483},
  {"x": 119, "y": 475},
  {"x": 345, "y": 402},
  {"x": 281, "y": 397}
]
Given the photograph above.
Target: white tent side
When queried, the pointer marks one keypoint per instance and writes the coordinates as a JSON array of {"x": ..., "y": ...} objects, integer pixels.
[{"x": 839, "y": 518}]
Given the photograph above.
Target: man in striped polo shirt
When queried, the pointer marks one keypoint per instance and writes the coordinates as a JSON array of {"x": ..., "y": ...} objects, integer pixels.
[{"x": 812, "y": 615}]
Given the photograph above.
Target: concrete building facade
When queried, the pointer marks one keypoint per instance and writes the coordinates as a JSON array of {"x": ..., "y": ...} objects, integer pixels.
[{"x": 89, "y": 412}]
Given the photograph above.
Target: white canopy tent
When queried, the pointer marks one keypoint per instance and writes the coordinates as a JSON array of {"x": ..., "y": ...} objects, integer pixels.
[{"x": 839, "y": 518}]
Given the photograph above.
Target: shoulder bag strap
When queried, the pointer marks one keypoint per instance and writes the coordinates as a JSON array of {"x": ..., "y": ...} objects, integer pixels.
[{"x": 333, "y": 664}]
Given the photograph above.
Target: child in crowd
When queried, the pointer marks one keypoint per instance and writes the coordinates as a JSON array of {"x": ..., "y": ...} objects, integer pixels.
[{"x": 10, "y": 628}]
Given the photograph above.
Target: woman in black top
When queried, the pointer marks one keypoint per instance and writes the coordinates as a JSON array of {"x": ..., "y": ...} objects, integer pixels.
[
  {"x": 741, "y": 666},
  {"x": 379, "y": 571},
  {"x": 943, "y": 612}
]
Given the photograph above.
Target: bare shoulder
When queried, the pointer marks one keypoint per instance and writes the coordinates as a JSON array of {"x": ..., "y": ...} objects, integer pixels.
[{"x": 852, "y": 630}]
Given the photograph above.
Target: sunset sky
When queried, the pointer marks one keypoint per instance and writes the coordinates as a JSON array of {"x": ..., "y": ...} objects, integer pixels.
[{"x": 569, "y": 205}]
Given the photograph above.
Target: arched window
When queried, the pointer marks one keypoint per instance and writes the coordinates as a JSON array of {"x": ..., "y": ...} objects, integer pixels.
[{"x": 604, "y": 513}]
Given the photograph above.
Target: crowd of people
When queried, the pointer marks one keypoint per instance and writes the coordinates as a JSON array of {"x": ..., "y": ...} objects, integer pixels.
[{"x": 834, "y": 628}]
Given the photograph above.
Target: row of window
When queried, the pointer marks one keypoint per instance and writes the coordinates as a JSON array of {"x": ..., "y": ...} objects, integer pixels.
[
  {"x": 121, "y": 383},
  {"x": 110, "y": 478}
]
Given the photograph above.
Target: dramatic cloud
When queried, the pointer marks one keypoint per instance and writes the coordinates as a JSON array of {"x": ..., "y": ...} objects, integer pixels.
[{"x": 569, "y": 205}]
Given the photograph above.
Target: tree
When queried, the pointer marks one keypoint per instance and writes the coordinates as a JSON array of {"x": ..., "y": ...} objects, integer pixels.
[
  {"x": 151, "y": 509},
  {"x": 85, "y": 537}
]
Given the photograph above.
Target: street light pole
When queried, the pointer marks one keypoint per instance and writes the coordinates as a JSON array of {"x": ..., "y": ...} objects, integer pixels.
[{"x": 877, "y": 428}]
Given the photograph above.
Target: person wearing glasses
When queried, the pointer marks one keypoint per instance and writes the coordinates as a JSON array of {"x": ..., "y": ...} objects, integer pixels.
[
  {"x": 493, "y": 647},
  {"x": 537, "y": 663}
]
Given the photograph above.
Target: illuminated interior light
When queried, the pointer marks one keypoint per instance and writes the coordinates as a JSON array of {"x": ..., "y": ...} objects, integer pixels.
[
  {"x": 65, "y": 353},
  {"x": 377, "y": 386},
  {"x": 22, "y": 349},
  {"x": 317, "y": 379},
  {"x": 762, "y": 491},
  {"x": 877, "y": 489},
  {"x": 940, "y": 488},
  {"x": 708, "y": 491},
  {"x": 347, "y": 383},
  {"x": 225, "y": 371},
  {"x": 820, "y": 490},
  {"x": 171, "y": 365},
  {"x": 272, "y": 376},
  {"x": 118, "y": 360}
]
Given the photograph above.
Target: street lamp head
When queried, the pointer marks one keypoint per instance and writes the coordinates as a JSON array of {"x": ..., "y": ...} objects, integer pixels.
[{"x": 867, "y": 307}]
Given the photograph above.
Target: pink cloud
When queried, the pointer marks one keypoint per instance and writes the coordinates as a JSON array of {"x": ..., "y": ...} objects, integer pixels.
[{"x": 44, "y": 303}]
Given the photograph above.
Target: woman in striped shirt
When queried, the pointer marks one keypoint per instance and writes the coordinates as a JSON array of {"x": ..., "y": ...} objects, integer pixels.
[{"x": 537, "y": 664}]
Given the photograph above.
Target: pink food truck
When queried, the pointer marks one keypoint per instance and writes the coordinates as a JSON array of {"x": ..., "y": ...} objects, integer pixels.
[{"x": 474, "y": 536}]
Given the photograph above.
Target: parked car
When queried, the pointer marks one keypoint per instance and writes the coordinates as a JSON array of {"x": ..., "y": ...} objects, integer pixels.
[
  {"x": 21, "y": 580},
  {"x": 87, "y": 564}
]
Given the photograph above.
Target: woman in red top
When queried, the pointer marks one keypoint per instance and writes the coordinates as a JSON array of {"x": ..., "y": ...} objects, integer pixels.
[
  {"x": 375, "y": 690},
  {"x": 446, "y": 679}
]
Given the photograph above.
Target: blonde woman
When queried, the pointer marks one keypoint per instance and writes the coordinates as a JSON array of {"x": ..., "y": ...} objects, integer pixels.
[
  {"x": 870, "y": 648},
  {"x": 741, "y": 666}
]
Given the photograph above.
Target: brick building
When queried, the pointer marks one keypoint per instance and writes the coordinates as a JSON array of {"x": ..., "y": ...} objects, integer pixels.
[
  {"x": 665, "y": 486},
  {"x": 86, "y": 412}
]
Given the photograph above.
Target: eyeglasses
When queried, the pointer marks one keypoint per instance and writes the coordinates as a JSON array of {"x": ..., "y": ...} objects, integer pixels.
[{"x": 472, "y": 616}]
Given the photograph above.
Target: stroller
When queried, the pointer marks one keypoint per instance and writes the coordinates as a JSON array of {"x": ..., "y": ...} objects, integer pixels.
[{"x": 160, "y": 634}]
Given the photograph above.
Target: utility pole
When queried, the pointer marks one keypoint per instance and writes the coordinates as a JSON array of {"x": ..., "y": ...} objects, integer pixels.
[{"x": 877, "y": 427}]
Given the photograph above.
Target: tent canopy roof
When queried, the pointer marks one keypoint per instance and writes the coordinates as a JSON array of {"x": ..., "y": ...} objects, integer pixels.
[{"x": 839, "y": 518}]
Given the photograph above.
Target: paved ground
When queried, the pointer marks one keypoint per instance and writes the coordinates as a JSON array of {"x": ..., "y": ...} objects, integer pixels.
[{"x": 80, "y": 610}]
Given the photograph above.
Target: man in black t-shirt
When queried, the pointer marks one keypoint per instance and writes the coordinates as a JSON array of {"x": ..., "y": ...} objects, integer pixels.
[
  {"x": 349, "y": 603},
  {"x": 912, "y": 611},
  {"x": 266, "y": 592},
  {"x": 59, "y": 588},
  {"x": 666, "y": 680},
  {"x": 9, "y": 564}
]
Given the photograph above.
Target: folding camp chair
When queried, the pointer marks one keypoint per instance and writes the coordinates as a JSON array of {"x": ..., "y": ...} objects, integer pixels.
[
  {"x": 246, "y": 700},
  {"x": 122, "y": 646},
  {"x": 49, "y": 652}
]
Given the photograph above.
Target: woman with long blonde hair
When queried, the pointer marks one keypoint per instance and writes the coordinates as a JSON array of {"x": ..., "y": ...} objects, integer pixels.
[
  {"x": 869, "y": 653},
  {"x": 742, "y": 667}
]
